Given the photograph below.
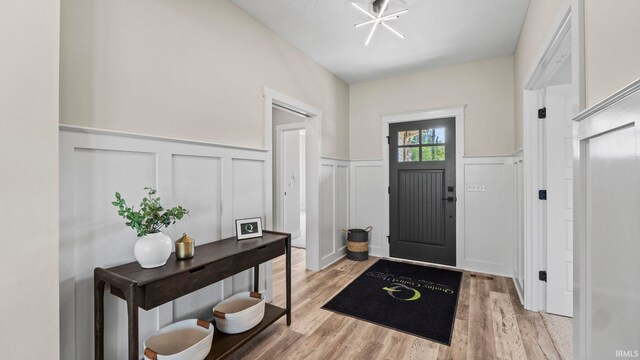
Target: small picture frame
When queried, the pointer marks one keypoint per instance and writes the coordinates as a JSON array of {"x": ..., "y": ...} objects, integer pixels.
[{"x": 248, "y": 228}]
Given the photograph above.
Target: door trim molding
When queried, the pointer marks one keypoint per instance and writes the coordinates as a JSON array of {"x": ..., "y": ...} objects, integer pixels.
[
  {"x": 428, "y": 114},
  {"x": 313, "y": 153},
  {"x": 566, "y": 26}
]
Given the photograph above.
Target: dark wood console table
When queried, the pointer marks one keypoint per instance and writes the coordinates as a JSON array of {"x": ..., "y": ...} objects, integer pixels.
[{"x": 149, "y": 288}]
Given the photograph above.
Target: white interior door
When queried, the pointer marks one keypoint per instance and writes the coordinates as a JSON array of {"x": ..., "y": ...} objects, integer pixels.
[
  {"x": 291, "y": 181},
  {"x": 559, "y": 164}
]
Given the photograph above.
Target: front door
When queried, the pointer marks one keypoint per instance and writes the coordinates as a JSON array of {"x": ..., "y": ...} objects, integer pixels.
[{"x": 422, "y": 190}]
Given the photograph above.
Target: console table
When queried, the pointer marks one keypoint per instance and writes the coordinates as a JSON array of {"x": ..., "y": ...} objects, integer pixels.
[{"x": 149, "y": 288}]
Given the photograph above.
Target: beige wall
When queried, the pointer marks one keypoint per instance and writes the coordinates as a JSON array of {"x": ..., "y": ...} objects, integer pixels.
[
  {"x": 190, "y": 69},
  {"x": 486, "y": 87},
  {"x": 540, "y": 15},
  {"x": 29, "y": 41},
  {"x": 281, "y": 117},
  {"x": 612, "y": 48}
]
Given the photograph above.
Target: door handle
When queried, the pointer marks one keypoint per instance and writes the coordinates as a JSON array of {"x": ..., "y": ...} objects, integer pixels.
[{"x": 450, "y": 199}]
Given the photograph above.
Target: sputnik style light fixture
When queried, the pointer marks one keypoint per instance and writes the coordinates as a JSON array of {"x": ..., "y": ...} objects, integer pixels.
[{"x": 379, "y": 7}]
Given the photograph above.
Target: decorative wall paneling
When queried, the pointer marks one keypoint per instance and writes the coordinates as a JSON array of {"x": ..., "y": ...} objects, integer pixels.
[
  {"x": 367, "y": 182},
  {"x": 606, "y": 187},
  {"x": 488, "y": 238},
  {"x": 216, "y": 183},
  {"x": 334, "y": 210}
]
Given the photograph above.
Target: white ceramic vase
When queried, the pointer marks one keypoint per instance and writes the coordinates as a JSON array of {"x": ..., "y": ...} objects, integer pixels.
[{"x": 152, "y": 250}]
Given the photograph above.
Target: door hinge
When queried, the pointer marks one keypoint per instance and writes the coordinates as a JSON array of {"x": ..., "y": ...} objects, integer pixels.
[
  {"x": 388, "y": 189},
  {"x": 542, "y": 113},
  {"x": 542, "y": 194},
  {"x": 388, "y": 140},
  {"x": 388, "y": 239},
  {"x": 542, "y": 275}
]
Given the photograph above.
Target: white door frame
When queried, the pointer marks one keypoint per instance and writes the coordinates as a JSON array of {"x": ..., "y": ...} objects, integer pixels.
[
  {"x": 430, "y": 114},
  {"x": 313, "y": 151},
  {"x": 280, "y": 175},
  {"x": 565, "y": 35}
]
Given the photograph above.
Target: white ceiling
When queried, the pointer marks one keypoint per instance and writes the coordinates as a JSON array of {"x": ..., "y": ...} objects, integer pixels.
[{"x": 438, "y": 33}]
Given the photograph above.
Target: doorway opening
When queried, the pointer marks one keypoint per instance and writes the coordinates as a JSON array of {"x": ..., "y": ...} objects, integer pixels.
[
  {"x": 301, "y": 124},
  {"x": 289, "y": 174},
  {"x": 549, "y": 102}
]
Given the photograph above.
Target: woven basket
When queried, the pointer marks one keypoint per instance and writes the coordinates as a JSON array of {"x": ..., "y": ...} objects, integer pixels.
[{"x": 358, "y": 243}]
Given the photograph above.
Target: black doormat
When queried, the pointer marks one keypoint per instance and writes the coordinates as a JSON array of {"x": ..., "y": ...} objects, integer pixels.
[{"x": 419, "y": 300}]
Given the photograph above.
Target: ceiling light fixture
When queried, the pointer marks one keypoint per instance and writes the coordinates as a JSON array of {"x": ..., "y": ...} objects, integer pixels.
[{"x": 379, "y": 7}]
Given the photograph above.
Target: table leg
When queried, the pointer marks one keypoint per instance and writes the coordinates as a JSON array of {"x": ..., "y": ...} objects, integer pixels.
[
  {"x": 98, "y": 317},
  {"x": 132, "y": 311},
  {"x": 288, "y": 275},
  {"x": 256, "y": 278}
]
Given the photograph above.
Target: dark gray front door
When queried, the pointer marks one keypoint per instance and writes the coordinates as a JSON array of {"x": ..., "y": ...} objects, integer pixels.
[{"x": 422, "y": 171}]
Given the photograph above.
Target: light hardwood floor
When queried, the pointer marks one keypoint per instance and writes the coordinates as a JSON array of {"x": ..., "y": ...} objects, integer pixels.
[{"x": 490, "y": 322}]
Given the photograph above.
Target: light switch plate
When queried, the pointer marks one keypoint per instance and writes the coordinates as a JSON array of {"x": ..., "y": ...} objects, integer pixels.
[{"x": 475, "y": 188}]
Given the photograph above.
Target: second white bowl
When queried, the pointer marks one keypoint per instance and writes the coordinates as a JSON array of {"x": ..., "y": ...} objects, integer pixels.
[{"x": 239, "y": 312}]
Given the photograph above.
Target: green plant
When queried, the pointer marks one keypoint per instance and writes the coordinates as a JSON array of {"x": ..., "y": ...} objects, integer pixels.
[{"x": 151, "y": 216}]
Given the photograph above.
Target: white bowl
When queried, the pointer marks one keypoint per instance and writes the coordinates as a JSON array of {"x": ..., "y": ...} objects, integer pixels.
[
  {"x": 239, "y": 312},
  {"x": 184, "y": 340}
]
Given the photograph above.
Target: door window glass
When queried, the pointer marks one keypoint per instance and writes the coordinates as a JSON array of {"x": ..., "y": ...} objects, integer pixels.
[
  {"x": 433, "y": 136},
  {"x": 409, "y": 154},
  {"x": 421, "y": 145},
  {"x": 411, "y": 137},
  {"x": 433, "y": 153}
]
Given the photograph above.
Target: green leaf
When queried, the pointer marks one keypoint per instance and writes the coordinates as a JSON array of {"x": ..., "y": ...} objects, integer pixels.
[{"x": 151, "y": 217}]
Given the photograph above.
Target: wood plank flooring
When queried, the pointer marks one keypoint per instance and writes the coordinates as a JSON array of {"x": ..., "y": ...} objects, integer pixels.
[{"x": 490, "y": 322}]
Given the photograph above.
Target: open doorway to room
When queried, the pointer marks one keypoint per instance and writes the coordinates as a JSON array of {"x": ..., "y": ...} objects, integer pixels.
[
  {"x": 301, "y": 125},
  {"x": 289, "y": 173},
  {"x": 549, "y": 100}
]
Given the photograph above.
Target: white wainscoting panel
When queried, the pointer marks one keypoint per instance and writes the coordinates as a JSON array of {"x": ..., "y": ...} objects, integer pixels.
[
  {"x": 367, "y": 206},
  {"x": 247, "y": 200},
  {"x": 216, "y": 183},
  {"x": 488, "y": 215},
  {"x": 334, "y": 209},
  {"x": 203, "y": 224},
  {"x": 101, "y": 240}
]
